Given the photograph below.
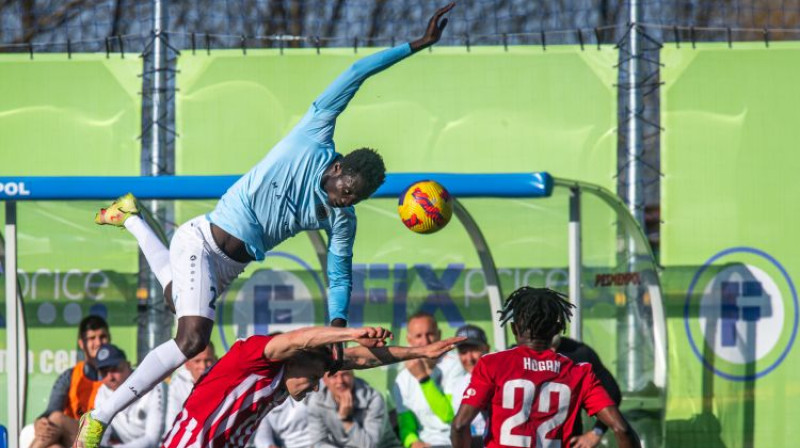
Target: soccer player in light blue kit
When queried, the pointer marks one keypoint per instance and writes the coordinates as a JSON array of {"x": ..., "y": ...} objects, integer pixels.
[{"x": 302, "y": 184}]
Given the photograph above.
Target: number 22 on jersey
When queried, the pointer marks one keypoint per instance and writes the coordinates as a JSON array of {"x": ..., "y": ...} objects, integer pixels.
[{"x": 523, "y": 416}]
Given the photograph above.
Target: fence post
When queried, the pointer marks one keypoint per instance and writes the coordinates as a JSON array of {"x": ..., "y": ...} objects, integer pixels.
[{"x": 157, "y": 159}]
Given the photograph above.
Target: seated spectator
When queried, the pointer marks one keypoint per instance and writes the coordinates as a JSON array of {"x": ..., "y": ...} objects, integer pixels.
[
  {"x": 182, "y": 381},
  {"x": 579, "y": 352},
  {"x": 424, "y": 408},
  {"x": 140, "y": 424},
  {"x": 470, "y": 351},
  {"x": 348, "y": 413},
  {"x": 74, "y": 391},
  {"x": 285, "y": 426}
]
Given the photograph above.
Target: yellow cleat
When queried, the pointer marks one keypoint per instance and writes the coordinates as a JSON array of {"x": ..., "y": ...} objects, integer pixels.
[
  {"x": 118, "y": 211},
  {"x": 90, "y": 432}
]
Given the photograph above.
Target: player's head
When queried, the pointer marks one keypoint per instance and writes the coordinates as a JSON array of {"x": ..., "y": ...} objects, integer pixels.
[
  {"x": 471, "y": 349},
  {"x": 304, "y": 370},
  {"x": 354, "y": 177},
  {"x": 422, "y": 329},
  {"x": 339, "y": 382},
  {"x": 113, "y": 366},
  {"x": 92, "y": 333},
  {"x": 537, "y": 314}
]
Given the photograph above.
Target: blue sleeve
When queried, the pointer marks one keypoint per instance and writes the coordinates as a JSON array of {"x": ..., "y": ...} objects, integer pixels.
[
  {"x": 59, "y": 393},
  {"x": 320, "y": 119},
  {"x": 340, "y": 278},
  {"x": 340, "y": 263}
]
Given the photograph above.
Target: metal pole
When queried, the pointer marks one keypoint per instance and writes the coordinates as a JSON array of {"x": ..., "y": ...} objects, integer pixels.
[
  {"x": 489, "y": 270},
  {"x": 12, "y": 344},
  {"x": 635, "y": 142},
  {"x": 575, "y": 263},
  {"x": 158, "y": 97},
  {"x": 629, "y": 357},
  {"x": 156, "y": 162}
]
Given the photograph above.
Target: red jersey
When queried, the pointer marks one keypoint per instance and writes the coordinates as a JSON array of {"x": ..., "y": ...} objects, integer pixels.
[
  {"x": 533, "y": 398},
  {"x": 229, "y": 401}
]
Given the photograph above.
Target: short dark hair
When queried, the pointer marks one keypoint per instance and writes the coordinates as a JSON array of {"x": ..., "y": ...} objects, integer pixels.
[
  {"x": 420, "y": 314},
  {"x": 543, "y": 312},
  {"x": 319, "y": 354},
  {"x": 91, "y": 322},
  {"x": 367, "y": 164}
]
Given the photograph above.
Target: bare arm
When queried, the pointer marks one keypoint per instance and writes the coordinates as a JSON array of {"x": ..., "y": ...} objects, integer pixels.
[
  {"x": 284, "y": 346},
  {"x": 369, "y": 357},
  {"x": 624, "y": 434},
  {"x": 460, "y": 435}
]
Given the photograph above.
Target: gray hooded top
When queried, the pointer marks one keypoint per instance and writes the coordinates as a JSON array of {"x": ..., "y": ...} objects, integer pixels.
[{"x": 370, "y": 428}]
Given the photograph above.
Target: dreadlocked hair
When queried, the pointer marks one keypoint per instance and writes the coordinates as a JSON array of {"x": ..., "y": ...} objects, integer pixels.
[
  {"x": 543, "y": 312},
  {"x": 367, "y": 164}
]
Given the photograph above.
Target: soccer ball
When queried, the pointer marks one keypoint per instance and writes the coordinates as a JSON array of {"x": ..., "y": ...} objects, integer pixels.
[{"x": 425, "y": 207}]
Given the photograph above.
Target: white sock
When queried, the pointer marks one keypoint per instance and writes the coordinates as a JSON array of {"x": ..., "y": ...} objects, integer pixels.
[
  {"x": 156, "y": 253},
  {"x": 155, "y": 367}
]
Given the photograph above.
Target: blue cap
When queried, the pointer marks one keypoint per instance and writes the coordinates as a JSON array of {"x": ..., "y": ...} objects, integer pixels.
[
  {"x": 475, "y": 335},
  {"x": 109, "y": 355}
]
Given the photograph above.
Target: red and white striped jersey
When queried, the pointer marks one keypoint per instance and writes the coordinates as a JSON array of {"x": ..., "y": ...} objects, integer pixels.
[{"x": 229, "y": 401}]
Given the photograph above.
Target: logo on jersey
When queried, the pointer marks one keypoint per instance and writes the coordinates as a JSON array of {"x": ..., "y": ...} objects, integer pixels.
[
  {"x": 469, "y": 393},
  {"x": 741, "y": 314}
]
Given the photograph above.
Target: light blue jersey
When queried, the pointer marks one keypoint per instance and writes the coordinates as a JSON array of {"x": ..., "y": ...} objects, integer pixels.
[{"x": 283, "y": 195}]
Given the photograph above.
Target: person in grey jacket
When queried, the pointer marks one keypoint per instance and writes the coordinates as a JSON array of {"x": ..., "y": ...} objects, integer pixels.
[{"x": 348, "y": 413}]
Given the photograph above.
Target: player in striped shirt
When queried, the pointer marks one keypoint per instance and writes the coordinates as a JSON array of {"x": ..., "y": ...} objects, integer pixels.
[
  {"x": 260, "y": 372},
  {"x": 531, "y": 394}
]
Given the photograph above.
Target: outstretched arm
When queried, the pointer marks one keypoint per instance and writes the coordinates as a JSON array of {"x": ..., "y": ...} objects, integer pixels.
[
  {"x": 367, "y": 358},
  {"x": 319, "y": 122},
  {"x": 284, "y": 346}
]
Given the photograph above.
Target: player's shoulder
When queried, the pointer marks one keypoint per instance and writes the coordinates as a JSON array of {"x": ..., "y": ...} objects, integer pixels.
[
  {"x": 576, "y": 370},
  {"x": 499, "y": 360},
  {"x": 502, "y": 355},
  {"x": 250, "y": 347},
  {"x": 257, "y": 339}
]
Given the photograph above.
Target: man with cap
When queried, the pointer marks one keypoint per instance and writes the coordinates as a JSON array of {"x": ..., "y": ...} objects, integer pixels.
[
  {"x": 470, "y": 351},
  {"x": 139, "y": 425}
]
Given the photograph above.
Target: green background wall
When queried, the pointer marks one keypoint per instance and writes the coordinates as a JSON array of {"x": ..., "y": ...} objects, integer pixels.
[
  {"x": 62, "y": 117},
  {"x": 729, "y": 154}
]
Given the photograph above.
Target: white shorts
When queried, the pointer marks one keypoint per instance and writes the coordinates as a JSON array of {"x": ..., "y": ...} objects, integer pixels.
[{"x": 200, "y": 270}]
